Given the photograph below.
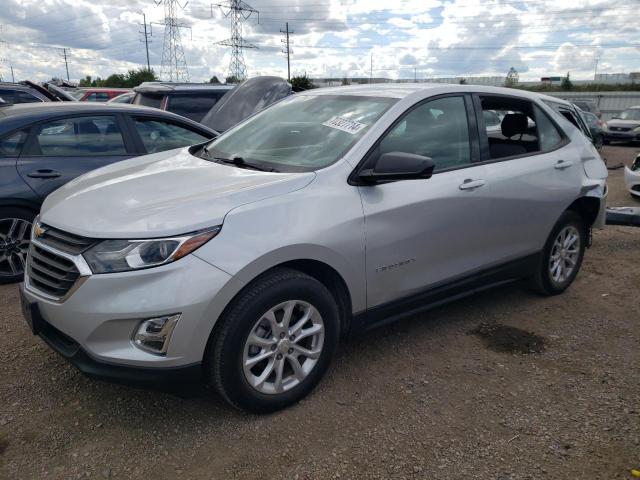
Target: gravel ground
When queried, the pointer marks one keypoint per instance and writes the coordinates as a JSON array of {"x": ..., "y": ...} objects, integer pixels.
[{"x": 436, "y": 396}]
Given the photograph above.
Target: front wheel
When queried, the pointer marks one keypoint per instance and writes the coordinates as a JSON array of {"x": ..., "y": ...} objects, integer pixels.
[
  {"x": 15, "y": 233},
  {"x": 562, "y": 255},
  {"x": 274, "y": 342}
]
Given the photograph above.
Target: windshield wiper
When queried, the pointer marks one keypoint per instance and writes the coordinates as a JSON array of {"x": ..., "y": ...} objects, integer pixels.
[{"x": 242, "y": 163}]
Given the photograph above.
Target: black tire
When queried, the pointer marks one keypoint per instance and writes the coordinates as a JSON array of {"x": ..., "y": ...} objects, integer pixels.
[
  {"x": 606, "y": 141},
  {"x": 7, "y": 214},
  {"x": 542, "y": 281},
  {"x": 223, "y": 361}
]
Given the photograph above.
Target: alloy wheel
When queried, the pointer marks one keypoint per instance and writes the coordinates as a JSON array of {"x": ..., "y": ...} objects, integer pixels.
[
  {"x": 283, "y": 347},
  {"x": 14, "y": 244},
  {"x": 564, "y": 254}
]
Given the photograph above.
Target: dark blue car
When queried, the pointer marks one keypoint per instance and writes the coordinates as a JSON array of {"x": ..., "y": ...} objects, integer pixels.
[{"x": 45, "y": 145}]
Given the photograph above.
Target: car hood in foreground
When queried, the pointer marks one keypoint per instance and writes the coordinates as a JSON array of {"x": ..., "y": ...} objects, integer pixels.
[{"x": 164, "y": 194}]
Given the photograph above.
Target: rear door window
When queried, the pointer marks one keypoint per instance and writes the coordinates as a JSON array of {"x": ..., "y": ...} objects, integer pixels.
[
  {"x": 98, "y": 97},
  {"x": 193, "y": 106},
  {"x": 158, "y": 135},
  {"x": 79, "y": 136}
]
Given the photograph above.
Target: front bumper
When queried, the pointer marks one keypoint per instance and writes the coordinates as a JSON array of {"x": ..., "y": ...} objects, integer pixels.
[
  {"x": 628, "y": 136},
  {"x": 179, "y": 380},
  {"x": 101, "y": 315}
]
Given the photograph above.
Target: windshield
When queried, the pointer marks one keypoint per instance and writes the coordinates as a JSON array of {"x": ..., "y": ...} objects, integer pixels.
[
  {"x": 631, "y": 114},
  {"x": 302, "y": 132}
]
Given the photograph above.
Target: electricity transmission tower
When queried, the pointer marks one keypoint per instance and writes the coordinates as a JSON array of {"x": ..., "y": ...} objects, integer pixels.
[
  {"x": 287, "y": 48},
  {"x": 238, "y": 11},
  {"x": 174, "y": 65}
]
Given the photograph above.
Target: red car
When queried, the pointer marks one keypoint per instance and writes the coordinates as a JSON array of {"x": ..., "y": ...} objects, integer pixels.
[{"x": 99, "y": 94}]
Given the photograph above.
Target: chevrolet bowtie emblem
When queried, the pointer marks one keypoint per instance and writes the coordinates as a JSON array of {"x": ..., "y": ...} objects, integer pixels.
[{"x": 38, "y": 230}]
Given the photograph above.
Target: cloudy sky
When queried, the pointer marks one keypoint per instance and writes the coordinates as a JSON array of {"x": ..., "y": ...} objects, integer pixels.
[{"x": 337, "y": 38}]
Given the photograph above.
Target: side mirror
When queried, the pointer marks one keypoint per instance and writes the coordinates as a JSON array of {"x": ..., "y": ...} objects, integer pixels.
[{"x": 398, "y": 166}]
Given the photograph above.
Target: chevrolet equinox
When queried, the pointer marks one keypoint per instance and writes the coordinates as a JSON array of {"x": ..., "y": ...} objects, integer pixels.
[{"x": 243, "y": 261}]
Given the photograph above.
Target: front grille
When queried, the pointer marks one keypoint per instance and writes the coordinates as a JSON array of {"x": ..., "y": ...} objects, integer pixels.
[
  {"x": 620, "y": 129},
  {"x": 50, "y": 273},
  {"x": 63, "y": 241}
]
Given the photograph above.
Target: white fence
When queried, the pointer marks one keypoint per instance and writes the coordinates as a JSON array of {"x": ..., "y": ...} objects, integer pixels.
[{"x": 609, "y": 103}]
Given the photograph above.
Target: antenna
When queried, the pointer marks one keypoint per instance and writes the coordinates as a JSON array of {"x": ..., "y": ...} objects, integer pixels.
[
  {"x": 174, "y": 65},
  {"x": 238, "y": 11}
]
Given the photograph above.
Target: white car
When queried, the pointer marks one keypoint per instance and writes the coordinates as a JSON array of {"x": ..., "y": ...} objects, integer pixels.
[
  {"x": 243, "y": 261},
  {"x": 632, "y": 177}
]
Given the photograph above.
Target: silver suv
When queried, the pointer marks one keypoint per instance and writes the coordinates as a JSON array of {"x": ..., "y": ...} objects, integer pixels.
[{"x": 242, "y": 262}]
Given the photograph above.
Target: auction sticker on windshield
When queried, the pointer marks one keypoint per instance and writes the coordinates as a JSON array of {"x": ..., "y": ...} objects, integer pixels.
[{"x": 345, "y": 125}]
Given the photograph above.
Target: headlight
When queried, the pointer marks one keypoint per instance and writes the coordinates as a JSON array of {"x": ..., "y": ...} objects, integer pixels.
[
  {"x": 110, "y": 256},
  {"x": 637, "y": 129}
]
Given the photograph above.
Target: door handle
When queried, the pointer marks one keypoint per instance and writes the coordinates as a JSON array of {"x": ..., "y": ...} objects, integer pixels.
[
  {"x": 44, "y": 173},
  {"x": 562, "y": 164},
  {"x": 470, "y": 184}
]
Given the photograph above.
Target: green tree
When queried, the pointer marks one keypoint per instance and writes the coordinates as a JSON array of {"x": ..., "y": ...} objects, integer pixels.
[
  {"x": 345, "y": 81},
  {"x": 131, "y": 79},
  {"x": 214, "y": 79},
  {"x": 566, "y": 83},
  {"x": 301, "y": 82},
  {"x": 232, "y": 79},
  {"x": 463, "y": 81},
  {"x": 134, "y": 78}
]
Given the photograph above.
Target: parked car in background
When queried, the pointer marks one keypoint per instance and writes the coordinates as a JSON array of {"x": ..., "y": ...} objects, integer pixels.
[
  {"x": 632, "y": 178},
  {"x": 30, "y": 92},
  {"x": 43, "y": 146},
  {"x": 191, "y": 100},
  {"x": 242, "y": 261},
  {"x": 597, "y": 128},
  {"x": 586, "y": 105},
  {"x": 124, "y": 98},
  {"x": 98, "y": 94},
  {"x": 624, "y": 127}
]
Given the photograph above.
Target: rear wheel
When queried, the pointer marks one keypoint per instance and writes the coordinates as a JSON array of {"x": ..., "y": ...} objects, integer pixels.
[
  {"x": 598, "y": 142},
  {"x": 15, "y": 232},
  {"x": 274, "y": 343},
  {"x": 562, "y": 255}
]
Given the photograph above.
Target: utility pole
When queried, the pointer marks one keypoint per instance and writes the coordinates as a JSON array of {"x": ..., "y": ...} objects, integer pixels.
[
  {"x": 174, "y": 64},
  {"x": 595, "y": 70},
  {"x": 13, "y": 79},
  {"x": 371, "y": 70},
  {"x": 239, "y": 12},
  {"x": 287, "y": 49},
  {"x": 146, "y": 38},
  {"x": 66, "y": 63},
  {"x": 415, "y": 74}
]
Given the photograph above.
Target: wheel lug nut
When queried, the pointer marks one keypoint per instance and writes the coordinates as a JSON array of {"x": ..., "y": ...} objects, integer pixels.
[
  {"x": 279, "y": 356},
  {"x": 281, "y": 334},
  {"x": 273, "y": 347},
  {"x": 292, "y": 338},
  {"x": 290, "y": 351}
]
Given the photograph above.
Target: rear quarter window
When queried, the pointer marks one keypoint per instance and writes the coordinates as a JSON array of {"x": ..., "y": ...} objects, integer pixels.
[{"x": 148, "y": 100}]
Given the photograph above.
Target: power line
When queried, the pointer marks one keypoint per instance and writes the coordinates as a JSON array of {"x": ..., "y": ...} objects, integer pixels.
[
  {"x": 287, "y": 48},
  {"x": 238, "y": 11},
  {"x": 174, "y": 64}
]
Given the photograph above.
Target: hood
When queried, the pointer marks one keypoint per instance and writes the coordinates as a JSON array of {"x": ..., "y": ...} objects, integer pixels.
[
  {"x": 244, "y": 100},
  {"x": 164, "y": 194},
  {"x": 618, "y": 122}
]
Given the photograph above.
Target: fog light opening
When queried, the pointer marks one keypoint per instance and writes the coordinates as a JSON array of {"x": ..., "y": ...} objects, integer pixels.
[{"x": 153, "y": 335}]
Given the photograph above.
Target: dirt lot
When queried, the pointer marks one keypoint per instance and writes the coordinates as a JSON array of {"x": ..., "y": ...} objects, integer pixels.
[{"x": 425, "y": 398}]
